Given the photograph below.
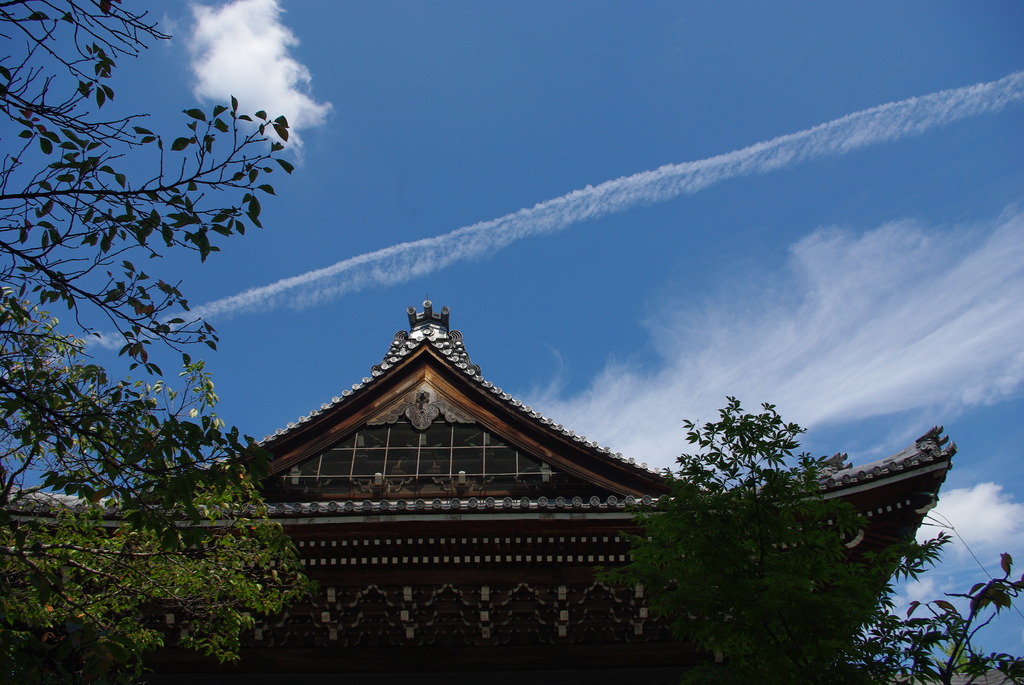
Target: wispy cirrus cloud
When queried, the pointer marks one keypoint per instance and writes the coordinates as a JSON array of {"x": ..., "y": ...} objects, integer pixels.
[
  {"x": 402, "y": 262},
  {"x": 241, "y": 49},
  {"x": 899, "y": 318}
]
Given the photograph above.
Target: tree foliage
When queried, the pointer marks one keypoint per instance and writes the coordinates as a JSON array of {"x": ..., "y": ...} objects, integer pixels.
[
  {"x": 74, "y": 222},
  {"x": 142, "y": 511},
  {"x": 748, "y": 561},
  {"x": 937, "y": 641},
  {"x": 119, "y": 499}
]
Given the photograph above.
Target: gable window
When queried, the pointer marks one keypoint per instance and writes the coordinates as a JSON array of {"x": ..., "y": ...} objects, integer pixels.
[{"x": 444, "y": 459}]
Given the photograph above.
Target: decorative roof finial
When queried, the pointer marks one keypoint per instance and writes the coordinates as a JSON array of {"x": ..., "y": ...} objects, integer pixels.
[{"x": 428, "y": 323}]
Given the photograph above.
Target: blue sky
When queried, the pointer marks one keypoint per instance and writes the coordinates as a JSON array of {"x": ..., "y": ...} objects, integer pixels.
[{"x": 634, "y": 211}]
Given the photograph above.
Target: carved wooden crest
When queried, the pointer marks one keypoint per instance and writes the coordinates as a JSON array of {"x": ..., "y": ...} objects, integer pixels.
[{"x": 422, "y": 407}]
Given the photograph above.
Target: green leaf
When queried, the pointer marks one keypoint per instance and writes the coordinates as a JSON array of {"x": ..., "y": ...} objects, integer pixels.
[
  {"x": 196, "y": 114},
  {"x": 254, "y": 207},
  {"x": 181, "y": 143},
  {"x": 287, "y": 166}
]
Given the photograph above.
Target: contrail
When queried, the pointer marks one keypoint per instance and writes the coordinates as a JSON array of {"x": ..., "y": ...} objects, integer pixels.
[{"x": 405, "y": 261}]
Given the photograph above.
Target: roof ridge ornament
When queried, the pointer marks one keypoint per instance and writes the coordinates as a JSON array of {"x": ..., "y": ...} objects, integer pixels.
[{"x": 428, "y": 323}]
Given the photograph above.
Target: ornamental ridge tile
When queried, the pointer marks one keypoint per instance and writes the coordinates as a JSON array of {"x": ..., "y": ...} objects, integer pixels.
[
  {"x": 931, "y": 448},
  {"x": 39, "y": 505},
  {"x": 471, "y": 505}
]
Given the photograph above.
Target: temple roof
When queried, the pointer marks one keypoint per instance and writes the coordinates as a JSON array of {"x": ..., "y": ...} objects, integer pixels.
[
  {"x": 927, "y": 459},
  {"x": 933, "y": 449},
  {"x": 429, "y": 328}
]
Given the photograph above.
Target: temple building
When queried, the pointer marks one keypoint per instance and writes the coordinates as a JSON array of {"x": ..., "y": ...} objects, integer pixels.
[{"x": 454, "y": 530}]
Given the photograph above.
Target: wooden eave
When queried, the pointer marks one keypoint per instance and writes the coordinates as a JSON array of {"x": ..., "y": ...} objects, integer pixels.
[{"x": 894, "y": 507}]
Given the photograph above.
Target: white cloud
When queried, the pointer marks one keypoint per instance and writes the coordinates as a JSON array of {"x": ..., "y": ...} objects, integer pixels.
[
  {"x": 899, "y": 318},
  {"x": 984, "y": 518},
  {"x": 402, "y": 262},
  {"x": 241, "y": 49},
  {"x": 895, "y": 319},
  {"x": 925, "y": 589},
  {"x": 988, "y": 520}
]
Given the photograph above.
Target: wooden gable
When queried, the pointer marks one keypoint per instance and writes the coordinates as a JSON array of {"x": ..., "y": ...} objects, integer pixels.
[{"x": 405, "y": 413}]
